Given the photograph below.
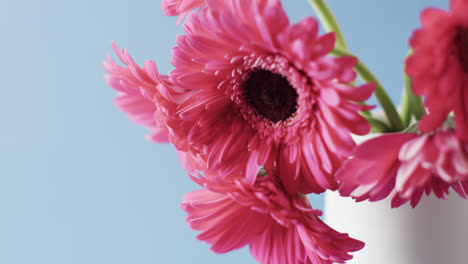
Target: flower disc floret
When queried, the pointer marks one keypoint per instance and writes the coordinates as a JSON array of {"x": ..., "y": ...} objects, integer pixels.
[{"x": 250, "y": 89}]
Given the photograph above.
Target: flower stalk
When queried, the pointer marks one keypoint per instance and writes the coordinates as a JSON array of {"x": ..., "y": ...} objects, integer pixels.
[
  {"x": 414, "y": 102},
  {"x": 366, "y": 75},
  {"x": 328, "y": 20},
  {"x": 405, "y": 111},
  {"x": 330, "y": 24},
  {"x": 411, "y": 104},
  {"x": 385, "y": 102}
]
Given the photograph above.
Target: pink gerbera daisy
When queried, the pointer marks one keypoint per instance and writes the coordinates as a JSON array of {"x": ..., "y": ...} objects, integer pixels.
[
  {"x": 279, "y": 227},
  {"x": 263, "y": 89},
  {"x": 439, "y": 66},
  {"x": 404, "y": 166},
  {"x": 136, "y": 88},
  {"x": 142, "y": 93},
  {"x": 181, "y": 7}
]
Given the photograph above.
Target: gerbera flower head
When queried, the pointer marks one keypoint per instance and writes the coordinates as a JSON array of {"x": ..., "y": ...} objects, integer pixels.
[
  {"x": 177, "y": 7},
  {"x": 266, "y": 90},
  {"x": 439, "y": 66},
  {"x": 278, "y": 227},
  {"x": 136, "y": 88},
  {"x": 180, "y": 7},
  {"x": 146, "y": 96},
  {"x": 404, "y": 166}
]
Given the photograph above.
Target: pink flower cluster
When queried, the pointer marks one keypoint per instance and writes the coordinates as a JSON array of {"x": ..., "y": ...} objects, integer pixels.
[
  {"x": 262, "y": 115},
  {"x": 440, "y": 72},
  {"x": 258, "y": 107},
  {"x": 278, "y": 226},
  {"x": 405, "y": 165}
]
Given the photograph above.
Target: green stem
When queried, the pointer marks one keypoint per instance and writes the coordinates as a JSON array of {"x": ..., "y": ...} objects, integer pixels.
[
  {"x": 382, "y": 96},
  {"x": 414, "y": 101},
  {"x": 385, "y": 102},
  {"x": 405, "y": 107},
  {"x": 328, "y": 20},
  {"x": 331, "y": 25},
  {"x": 365, "y": 114},
  {"x": 406, "y": 112},
  {"x": 377, "y": 126}
]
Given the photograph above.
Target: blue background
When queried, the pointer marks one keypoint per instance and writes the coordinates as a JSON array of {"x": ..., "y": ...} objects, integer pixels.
[{"x": 78, "y": 181}]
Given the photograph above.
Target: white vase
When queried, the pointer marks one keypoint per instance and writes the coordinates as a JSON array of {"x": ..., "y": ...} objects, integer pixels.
[{"x": 435, "y": 232}]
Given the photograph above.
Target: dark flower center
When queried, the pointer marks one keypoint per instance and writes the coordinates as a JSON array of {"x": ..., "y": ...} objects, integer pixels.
[
  {"x": 466, "y": 39},
  {"x": 271, "y": 95},
  {"x": 463, "y": 49}
]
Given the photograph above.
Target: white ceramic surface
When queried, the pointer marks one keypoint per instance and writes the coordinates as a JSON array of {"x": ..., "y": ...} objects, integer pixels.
[{"x": 435, "y": 232}]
